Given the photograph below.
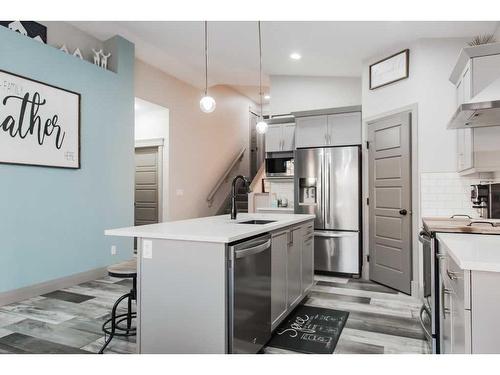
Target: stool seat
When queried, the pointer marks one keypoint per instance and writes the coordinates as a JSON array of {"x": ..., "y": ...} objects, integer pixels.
[{"x": 124, "y": 269}]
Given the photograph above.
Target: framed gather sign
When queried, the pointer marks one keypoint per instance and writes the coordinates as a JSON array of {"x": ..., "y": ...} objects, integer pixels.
[
  {"x": 389, "y": 70},
  {"x": 39, "y": 123}
]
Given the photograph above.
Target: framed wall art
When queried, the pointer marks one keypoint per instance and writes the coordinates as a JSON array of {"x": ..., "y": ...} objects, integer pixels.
[
  {"x": 31, "y": 29},
  {"x": 389, "y": 70},
  {"x": 39, "y": 123}
]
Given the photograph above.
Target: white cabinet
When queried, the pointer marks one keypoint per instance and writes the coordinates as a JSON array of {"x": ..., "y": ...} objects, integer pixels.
[
  {"x": 292, "y": 269},
  {"x": 339, "y": 129},
  {"x": 472, "y": 74},
  {"x": 279, "y": 250},
  {"x": 280, "y": 137},
  {"x": 465, "y": 146},
  {"x": 477, "y": 150},
  {"x": 469, "y": 307}
]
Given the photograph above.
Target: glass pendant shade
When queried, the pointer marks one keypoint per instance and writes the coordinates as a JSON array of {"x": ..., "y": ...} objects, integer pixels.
[
  {"x": 207, "y": 104},
  {"x": 261, "y": 127}
]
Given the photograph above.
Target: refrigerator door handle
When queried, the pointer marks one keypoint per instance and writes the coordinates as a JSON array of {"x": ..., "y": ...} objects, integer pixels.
[{"x": 327, "y": 188}]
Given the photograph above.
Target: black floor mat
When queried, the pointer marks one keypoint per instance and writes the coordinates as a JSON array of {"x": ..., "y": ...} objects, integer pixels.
[{"x": 311, "y": 330}]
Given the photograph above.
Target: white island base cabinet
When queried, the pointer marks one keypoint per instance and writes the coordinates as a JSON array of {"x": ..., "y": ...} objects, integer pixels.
[{"x": 469, "y": 308}]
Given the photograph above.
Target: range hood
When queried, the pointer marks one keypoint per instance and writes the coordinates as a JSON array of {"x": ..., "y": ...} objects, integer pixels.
[{"x": 482, "y": 110}]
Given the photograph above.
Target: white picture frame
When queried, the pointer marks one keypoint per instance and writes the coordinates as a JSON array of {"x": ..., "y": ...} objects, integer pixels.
[
  {"x": 39, "y": 123},
  {"x": 389, "y": 70}
]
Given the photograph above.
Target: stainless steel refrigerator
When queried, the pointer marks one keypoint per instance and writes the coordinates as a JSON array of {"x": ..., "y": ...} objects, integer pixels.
[{"x": 327, "y": 184}]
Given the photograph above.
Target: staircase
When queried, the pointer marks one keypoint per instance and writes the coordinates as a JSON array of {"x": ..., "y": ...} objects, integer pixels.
[{"x": 241, "y": 202}]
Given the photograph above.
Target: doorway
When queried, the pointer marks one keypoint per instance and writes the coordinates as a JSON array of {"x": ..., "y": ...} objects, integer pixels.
[
  {"x": 390, "y": 200},
  {"x": 151, "y": 163}
]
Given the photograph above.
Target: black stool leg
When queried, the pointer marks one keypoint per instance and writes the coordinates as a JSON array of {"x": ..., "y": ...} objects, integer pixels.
[
  {"x": 129, "y": 313},
  {"x": 113, "y": 324}
]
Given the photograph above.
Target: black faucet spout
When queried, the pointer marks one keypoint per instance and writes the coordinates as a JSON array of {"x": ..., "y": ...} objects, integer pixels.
[{"x": 234, "y": 208}]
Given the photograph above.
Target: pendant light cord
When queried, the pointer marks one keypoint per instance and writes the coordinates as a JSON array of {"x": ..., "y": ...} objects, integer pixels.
[
  {"x": 206, "y": 57},
  {"x": 260, "y": 73}
]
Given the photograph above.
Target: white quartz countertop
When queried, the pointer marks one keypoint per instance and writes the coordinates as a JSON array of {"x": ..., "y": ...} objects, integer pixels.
[
  {"x": 474, "y": 252},
  {"x": 211, "y": 229}
]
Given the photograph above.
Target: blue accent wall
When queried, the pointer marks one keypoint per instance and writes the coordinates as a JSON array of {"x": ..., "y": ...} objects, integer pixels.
[{"x": 52, "y": 220}]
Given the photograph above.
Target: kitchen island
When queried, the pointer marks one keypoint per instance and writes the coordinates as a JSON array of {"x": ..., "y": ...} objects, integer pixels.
[
  {"x": 469, "y": 306},
  {"x": 197, "y": 295}
]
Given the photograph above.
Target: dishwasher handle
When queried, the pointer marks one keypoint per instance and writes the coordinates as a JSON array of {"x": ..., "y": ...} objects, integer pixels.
[{"x": 252, "y": 250}]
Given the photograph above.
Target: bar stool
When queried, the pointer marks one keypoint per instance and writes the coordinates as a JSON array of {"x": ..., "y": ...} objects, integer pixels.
[{"x": 127, "y": 269}]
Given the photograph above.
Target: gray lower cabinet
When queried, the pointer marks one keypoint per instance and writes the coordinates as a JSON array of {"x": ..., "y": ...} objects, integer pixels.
[
  {"x": 307, "y": 257},
  {"x": 279, "y": 251},
  {"x": 469, "y": 308},
  {"x": 292, "y": 265}
]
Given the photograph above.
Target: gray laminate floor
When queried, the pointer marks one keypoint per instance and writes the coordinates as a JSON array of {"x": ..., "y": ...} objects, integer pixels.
[{"x": 69, "y": 321}]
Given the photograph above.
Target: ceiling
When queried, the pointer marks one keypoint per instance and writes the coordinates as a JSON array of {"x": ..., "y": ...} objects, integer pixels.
[{"x": 334, "y": 48}]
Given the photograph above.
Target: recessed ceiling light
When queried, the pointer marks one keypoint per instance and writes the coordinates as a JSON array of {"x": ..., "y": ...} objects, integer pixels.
[
  {"x": 267, "y": 96},
  {"x": 295, "y": 56}
]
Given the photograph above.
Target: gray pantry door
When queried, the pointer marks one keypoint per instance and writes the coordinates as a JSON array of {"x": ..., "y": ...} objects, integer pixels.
[
  {"x": 390, "y": 201},
  {"x": 146, "y": 186}
]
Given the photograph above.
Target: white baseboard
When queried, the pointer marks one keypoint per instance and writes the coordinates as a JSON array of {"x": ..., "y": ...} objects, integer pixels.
[{"x": 31, "y": 291}]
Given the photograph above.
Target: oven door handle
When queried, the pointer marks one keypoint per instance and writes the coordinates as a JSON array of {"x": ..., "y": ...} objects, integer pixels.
[
  {"x": 424, "y": 237},
  {"x": 421, "y": 316}
]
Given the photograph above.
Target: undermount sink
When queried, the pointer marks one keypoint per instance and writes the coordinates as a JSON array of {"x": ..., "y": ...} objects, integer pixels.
[{"x": 256, "y": 222}]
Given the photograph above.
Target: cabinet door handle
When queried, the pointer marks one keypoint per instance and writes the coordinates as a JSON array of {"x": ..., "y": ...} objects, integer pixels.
[
  {"x": 444, "y": 292},
  {"x": 452, "y": 275}
]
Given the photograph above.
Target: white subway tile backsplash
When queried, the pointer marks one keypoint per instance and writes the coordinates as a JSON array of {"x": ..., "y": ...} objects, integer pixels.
[
  {"x": 446, "y": 194},
  {"x": 283, "y": 189}
]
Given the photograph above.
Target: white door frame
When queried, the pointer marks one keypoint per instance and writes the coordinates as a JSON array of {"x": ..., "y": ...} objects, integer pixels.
[
  {"x": 162, "y": 173},
  {"x": 416, "y": 282}
]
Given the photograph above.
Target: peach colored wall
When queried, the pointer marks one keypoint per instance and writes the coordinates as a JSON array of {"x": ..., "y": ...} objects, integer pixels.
[{"x": 201, "y": 145}]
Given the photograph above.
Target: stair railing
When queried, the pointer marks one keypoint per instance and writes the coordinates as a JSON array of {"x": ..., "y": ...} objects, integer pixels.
[{"x": 225, "y": 176}]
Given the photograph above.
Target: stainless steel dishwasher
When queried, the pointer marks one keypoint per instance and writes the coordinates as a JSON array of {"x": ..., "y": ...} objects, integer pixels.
[{"x": 249, "y": 295}]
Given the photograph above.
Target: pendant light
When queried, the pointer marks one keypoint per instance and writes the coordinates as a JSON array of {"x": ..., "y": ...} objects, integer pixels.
[
  {"x": 261, "y": 126},
  {"x": 207, "y": 103}
]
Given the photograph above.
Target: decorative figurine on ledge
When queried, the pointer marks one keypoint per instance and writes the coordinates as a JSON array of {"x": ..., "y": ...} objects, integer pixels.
[
  {"x": 97, "y": 57},
  {"x": 101, "y": 59},
  {"x": 78, "y": 53}
]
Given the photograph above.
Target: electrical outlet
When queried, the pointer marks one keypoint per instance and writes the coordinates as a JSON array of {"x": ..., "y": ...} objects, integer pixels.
[
  {"x": 147, "y": 249},
  {"x": 113, "y": 249},
  {"x": 179, "y": 192}
]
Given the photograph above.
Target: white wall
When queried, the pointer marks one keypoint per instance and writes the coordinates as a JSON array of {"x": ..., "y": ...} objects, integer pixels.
[
  {"x": 152, "y": 122},
  {"x": 431, "y": 61},
  {"x": 296, "y": 93},
  {"x": 429, "y": 93},
  {"x": 201, "y": 145}
]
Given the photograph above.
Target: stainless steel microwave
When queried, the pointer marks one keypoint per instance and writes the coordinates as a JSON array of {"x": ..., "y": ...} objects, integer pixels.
[{"x": 279, "y": 164}]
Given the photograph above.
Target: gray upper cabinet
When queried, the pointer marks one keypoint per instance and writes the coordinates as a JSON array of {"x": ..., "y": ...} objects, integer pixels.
[
  {"x": 274, "y": 138},
  {"x": 344, "y": 129},
  {"x": 280, "y": 137},
  {"x": 339, "y": 129},
  {"x": 311, "y": 131}
]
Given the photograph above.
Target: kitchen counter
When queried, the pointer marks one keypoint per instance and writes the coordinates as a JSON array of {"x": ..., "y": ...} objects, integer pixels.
[
  {"x": 460, "y": 225},
  {"x": 219, "y": 229},
  {"x": 187, "y": 270},
  {"x": 473, "y": 252}
]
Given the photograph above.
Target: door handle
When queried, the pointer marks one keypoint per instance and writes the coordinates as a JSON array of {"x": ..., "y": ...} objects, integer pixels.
[{"x": 403, "y": 212}]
